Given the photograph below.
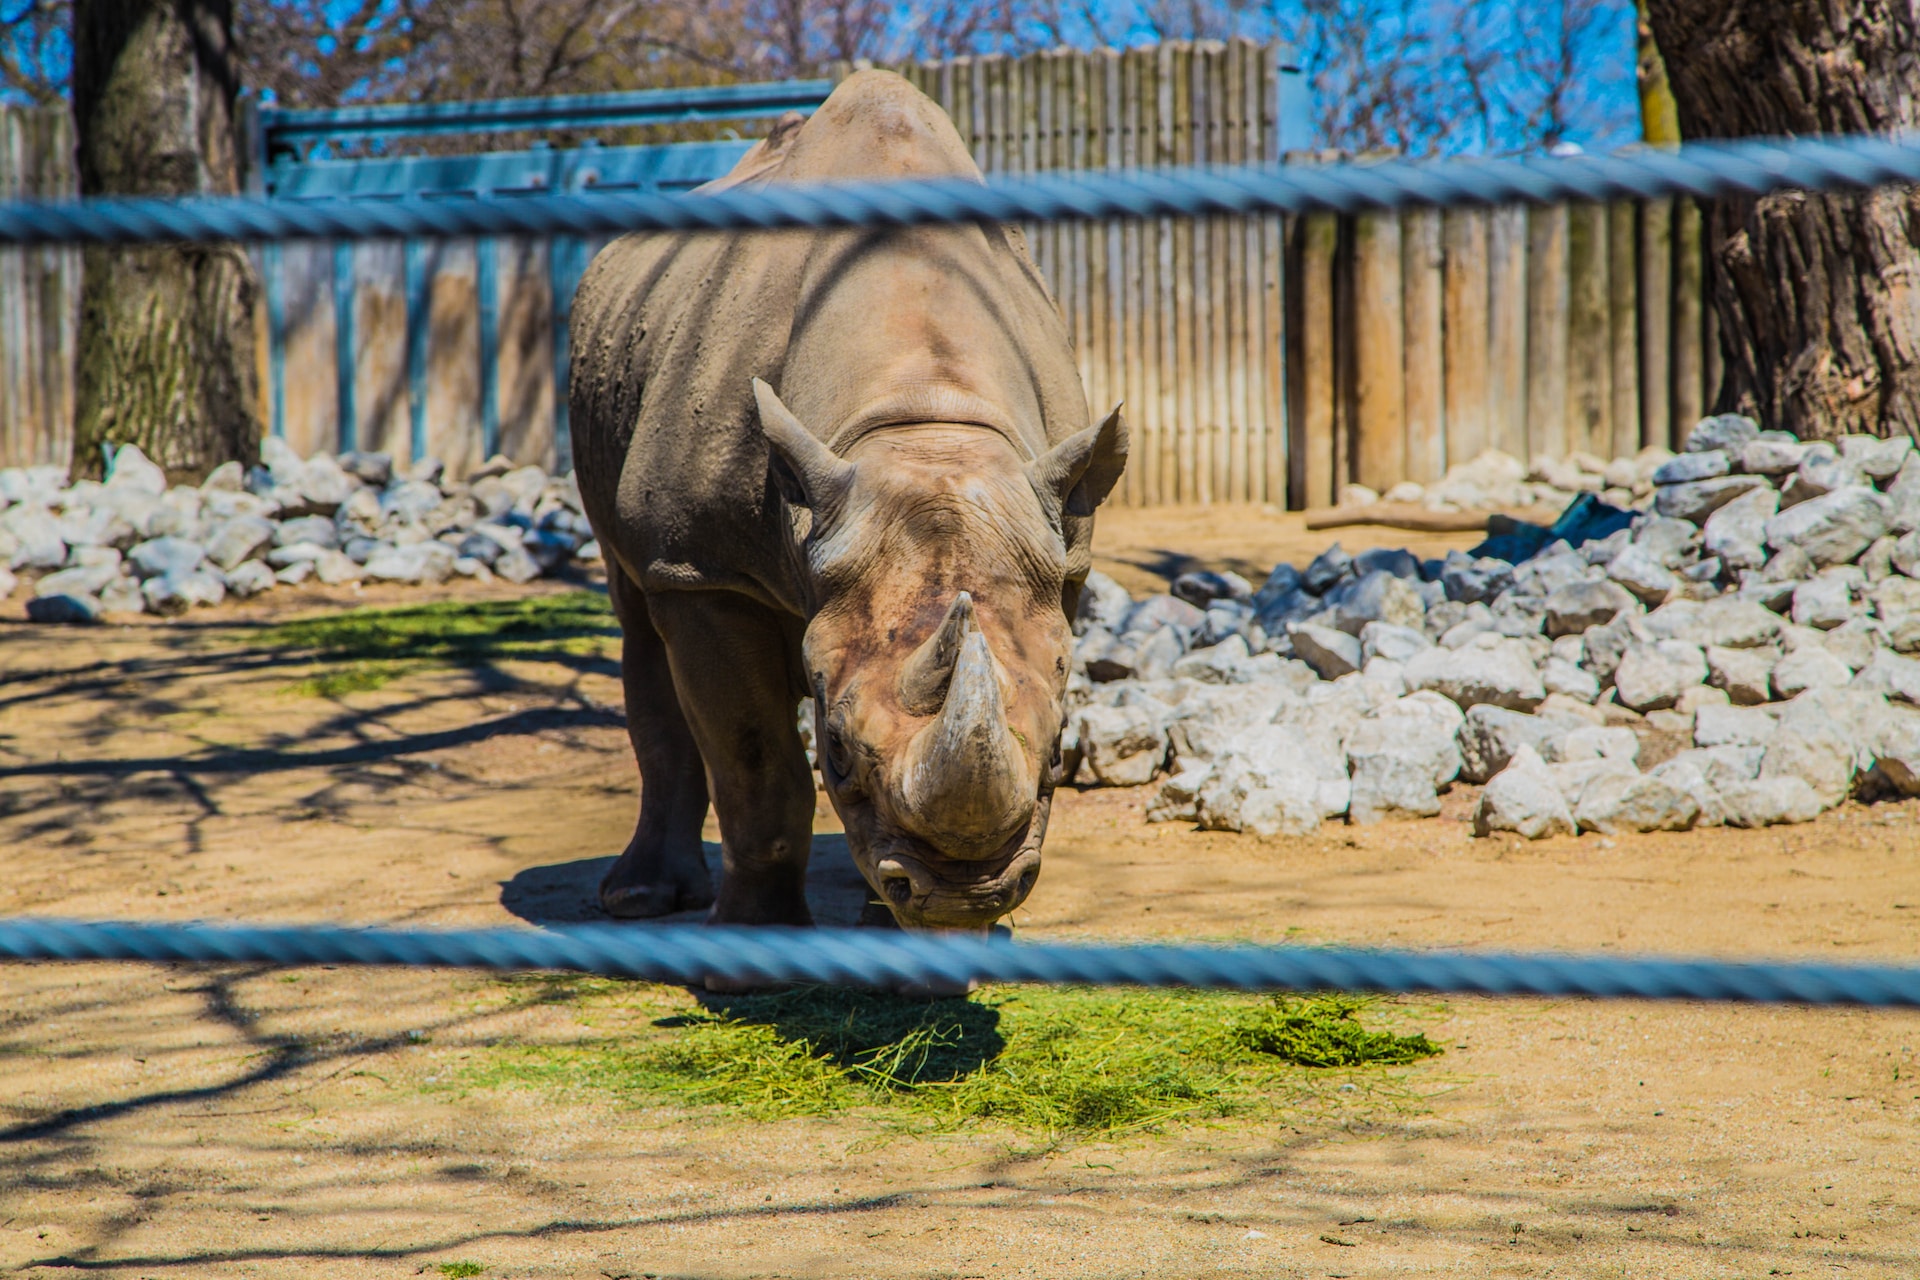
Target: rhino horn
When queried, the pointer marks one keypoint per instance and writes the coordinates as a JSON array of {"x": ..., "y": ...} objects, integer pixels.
[
  {"x": 924, "y": 680},
  {"x": 809, "y": 473},
  {"x": 966, "y": 779}
]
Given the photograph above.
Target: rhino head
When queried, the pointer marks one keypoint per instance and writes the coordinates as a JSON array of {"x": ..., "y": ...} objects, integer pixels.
[{"x": 935, "y": 561}]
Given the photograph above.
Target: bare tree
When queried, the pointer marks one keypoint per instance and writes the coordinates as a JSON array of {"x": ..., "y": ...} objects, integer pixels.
[{"x": 35, "y": 48}]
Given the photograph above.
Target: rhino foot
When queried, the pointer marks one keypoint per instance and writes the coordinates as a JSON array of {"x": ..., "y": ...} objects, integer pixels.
[{"x": 626, "y": 899}]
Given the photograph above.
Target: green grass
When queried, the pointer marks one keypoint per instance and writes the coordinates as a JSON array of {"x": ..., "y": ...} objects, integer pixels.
[
  {"x": 1057, "y": 1061},
  {"x": 459, "y": 1270},
  {"x": 363, "y": 649}
]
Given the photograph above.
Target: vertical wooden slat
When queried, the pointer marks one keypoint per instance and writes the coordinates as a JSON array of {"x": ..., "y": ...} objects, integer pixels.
[
  {"x": 1711, "y": 357},
  {"x": 1547, "y": 433},
  {"x": 1622, "y": 278},
  {"x": 1655, "y": 307},
  {"x": 1423, "y": 312},
  {"x": 452, "y": 411},
  {"x": 1272, "y": 282},
  {"x": 1589, "y": 341},
  {"x": 1463, "y": 235},
  {"x": 1507, "y": 329},
  {"x": 308, "y": 370},
  {"x": 1313, "y": 387},
  {"x": 1228, "y": 436},
  {"x": 525, "y": 371},
  {"x": 1189, "y": 404},
  {"x": 1689, "y": 364},
  {"x": 1380, "y": 405},
  {"x": 1167, "y": 368},
  {"x": 1142, "y": 240},
  {"x": 1241, "y": 366},
  {"x": 379, "y": 350}
]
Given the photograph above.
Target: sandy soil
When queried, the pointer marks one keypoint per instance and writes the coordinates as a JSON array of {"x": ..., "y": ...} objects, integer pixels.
[{"x": 160, "y": 1122}]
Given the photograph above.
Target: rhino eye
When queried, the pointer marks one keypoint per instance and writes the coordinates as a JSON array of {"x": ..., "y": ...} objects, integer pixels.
[{"x": 837, "y": 754}]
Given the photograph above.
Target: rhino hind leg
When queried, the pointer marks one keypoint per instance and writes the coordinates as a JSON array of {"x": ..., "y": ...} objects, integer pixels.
[
  {"x": 663, "y": 869},
  {"x": 735, "y": 668}
]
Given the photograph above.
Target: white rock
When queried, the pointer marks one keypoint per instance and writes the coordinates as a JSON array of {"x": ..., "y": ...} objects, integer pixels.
[
  {"x": 1730, "y": 431},
  {"x": 1559, "y": 676},
  {"x": 178, "y": 592},
  {"x": 1810, "y": 667},
  {"x": 1400, "y": 755},
  {"x": 1876, "y": 458},
  {"x": 1613, "y": 803},
  {"x": 336, "y": 568},
  {"x": 1523, "y": 798},
  {"x": 1745, "y": 674},
  {"x": 1332, "y": 653},
  {"x": 1394, "y": 643},
  {"x": 1487, "y": 670},
  {"x": 249, "y": 578},
  {"x": 1810, "y": 745},
  {"x": 1103, "y": 603},
  {"x": 1121, "y": 746},
  {"x": 1771, "y": 456},
  {"x": 1732, "y": 726},
  {"x": 1638, "y": 571},
  {"x": 1823, "y": 601},
  {"x": 1770, "y": 801},
  {"x": 1833, "y": 528},
  {"x": 294, "y": 574},
  {"x": 1600, "y": 742},
  {"x": 132, "y": 469},
  {"x": 240, "y": 538},
  {"x": 1178, "y": 798},
  {"x": 1491, "y": 736},
  {"x": 1699, "y": 499},
  {"x": 1890, "y": 674},
  {"x": 1654, "y": 675},
  {"x": 428, "y": 562}
]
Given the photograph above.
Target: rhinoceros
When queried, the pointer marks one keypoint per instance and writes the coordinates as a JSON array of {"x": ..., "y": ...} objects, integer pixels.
[{"x": 900, "y": 531}]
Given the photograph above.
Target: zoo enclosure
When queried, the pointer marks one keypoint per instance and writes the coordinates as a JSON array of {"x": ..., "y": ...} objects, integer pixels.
[{"x": 1262, "y": 359}]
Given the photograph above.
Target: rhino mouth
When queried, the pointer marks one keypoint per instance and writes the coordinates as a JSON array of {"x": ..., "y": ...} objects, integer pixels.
[{"x": 926, "y": 890}]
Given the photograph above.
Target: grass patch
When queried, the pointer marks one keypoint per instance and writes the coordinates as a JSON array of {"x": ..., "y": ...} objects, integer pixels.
[
  {"x": 362, "y": 649},
  {"x": 459, "y": 1270},
  {"x": 1058, "y": 1061}
]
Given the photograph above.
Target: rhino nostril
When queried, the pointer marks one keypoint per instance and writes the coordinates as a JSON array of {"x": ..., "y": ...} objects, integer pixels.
[
  {"x": 1027, "y": 878},
  {"x": 899, "y": 890}
]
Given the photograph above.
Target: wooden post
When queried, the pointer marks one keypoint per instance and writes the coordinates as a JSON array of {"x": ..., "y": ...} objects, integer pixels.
[
  {"x": 1312, "y": 386},
  {"x": 1689, "y": 366},
  {"x": 1423, "y": 312},
  {"x": 1173, "y": 481},
  {"x": 1623, "y": 277},
  {"x": 1655, "y": 307},
  {"x": 1279, "y": 448},
  {"x": 1464, "y": 243},
  {"x": 1547, "y": 332},
  {"x": 1589, "y": 342},
  {"x": 1507, "y": 330},
  {"x": 380, "y": 406},
  {"x": 1380, "y": 402}
]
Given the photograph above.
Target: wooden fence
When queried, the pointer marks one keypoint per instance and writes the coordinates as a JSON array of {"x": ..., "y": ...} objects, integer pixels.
[
  {"x": 1261, "y": 359},
  {"x": 39, "y": 297}
]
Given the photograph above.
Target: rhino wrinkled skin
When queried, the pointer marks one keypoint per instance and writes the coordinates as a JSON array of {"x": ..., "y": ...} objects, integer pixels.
[{"x": 901, "y": 530}]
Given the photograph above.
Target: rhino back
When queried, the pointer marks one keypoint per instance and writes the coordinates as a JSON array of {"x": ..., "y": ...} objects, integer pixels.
[{"x": 856, "y": 329}]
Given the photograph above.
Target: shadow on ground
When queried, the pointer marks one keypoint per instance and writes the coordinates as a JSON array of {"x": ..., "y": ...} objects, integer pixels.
[{"x": 567, "y": 892}]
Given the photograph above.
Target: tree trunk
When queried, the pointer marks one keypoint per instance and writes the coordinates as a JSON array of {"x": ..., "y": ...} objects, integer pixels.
[
  {"x": 1818, "y": 296},
  {"x": 166, "y": 344}
]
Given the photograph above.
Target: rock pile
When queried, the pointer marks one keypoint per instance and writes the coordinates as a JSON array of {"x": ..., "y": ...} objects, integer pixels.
[
  {"x": 1747, "y": 637},
  {"x": 134, "y": 544}
]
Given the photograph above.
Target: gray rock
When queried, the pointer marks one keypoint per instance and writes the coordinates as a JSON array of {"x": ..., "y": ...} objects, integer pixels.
[
  {"x": 1178, "y": 799},
  {"x": 1688, "y": 467},
  {"x": 249, "y": 578},
  {"x": 1121, "y": 746},
  {"x": 1789, "y": 565},
  {"x": 1487, "y": 670},
  {"x": 1820, "y": 472},
  {"x": 1732, "y": 623},
  {"x": 1577, "y": 607},
  {"x": 295, "y": 574},
  {"x": 1569, "y": 680},
  {"x": 1603, "y": 646},
  {"x": 1154, "y": 655},
  {"x": 1228, "y": 662},
  {"x": 375, "y": 469},
  {"x": 1400, "y": 755},
  {"x": 1380, "y": 596},
  {"x": 1103, "y": 602},
  {"x": 1771, "y": 454},
  {"x": 1327, "y": 569},
  {"x": 1615, "y": 802},
  {"x": 1490, "y": 736},
  {"x": 1730, "y": 431},
  {"x": 410, "y": 499},
  {"x": 1652, "y": 676},
  {"x": 1903, "y": 494},
  {"x": 1700, "y": 499},
  {"x": 1639, "y": 572},
  {"x": 1874, "y": 457},
  {"x": 1283, "y": 581},
  {"x": 1102, "y": 655},
  {"x": 515, "y": 565},
  {"x": 428, "y": 562},
  {"x": 1890, "y": 674},
  {"x": 166, "y": 555},
  {"x": 64, "y": 609},
  {"x": 1331, "y": 653},
  {"x": 1733, "y": 727},
  {"x": 1854, "y": 641},
  {"x": 428, "y": 469},
  {"x": 229, "y": 477},
  {"x": 1895, "y": 597},
  {"x": 240, "y": 538},
  {"x": 323, "y": 485},
  {"x": 1144, "y": 618},
  {"x": 1599, "y": 742},
  {"x": 132, "y": 469},
  {"x": 1808, "y": 668},
  {"x": 293, "y": 552},
  {"x": 336, "y": 568},
  {"x": 1737, "y": 532},
  {"x": 1833, "y": 528},
  {"x": 1746, "y": 675},
  {"x": 1824, "y": 601},
  {"x": 1810, "y": 745},
  {"x": 1525, "y": 799},
  {"x": 318, "y": 530},
  {"x": 123, "y": 595},
  {"x": 84, "y": 581},
  {"x": 1471, "y": 581},
  {"x": 1262, "y": 802},
  {"x": 280, "y": 461},
  {"x": 1767, "y": 802},
  {"x": 1896, "y": 750},
  {"x": 178, "y": 592},
  {"x": 1224, "y": 619},
  {"x": 1394, "y": 643},
  {"x": 1202, "y": 587}
]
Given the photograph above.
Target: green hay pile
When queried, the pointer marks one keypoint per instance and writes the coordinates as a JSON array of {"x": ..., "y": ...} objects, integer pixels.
[
  {"x": 1052, "y": 1060},
  {"x": 362, "y": 649}
]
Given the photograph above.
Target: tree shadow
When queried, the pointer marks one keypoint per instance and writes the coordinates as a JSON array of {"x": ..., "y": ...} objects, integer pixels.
[{"x": 561, "y": 893}]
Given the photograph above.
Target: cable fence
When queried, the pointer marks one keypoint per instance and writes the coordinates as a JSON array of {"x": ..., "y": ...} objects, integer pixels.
[{"x": 1748, "y": 168}]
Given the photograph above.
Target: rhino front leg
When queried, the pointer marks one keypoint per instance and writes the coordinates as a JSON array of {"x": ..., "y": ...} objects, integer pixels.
[
  {"x": 734, "y": 668},
  {"x": 663, "y": 869}
]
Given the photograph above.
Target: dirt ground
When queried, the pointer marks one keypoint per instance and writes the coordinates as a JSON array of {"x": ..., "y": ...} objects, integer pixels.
[{"x": 181, "y": 1122}]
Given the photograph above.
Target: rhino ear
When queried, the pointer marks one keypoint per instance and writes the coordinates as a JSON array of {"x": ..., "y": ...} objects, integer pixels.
[
  {"x": 809, "y": 474},
  {"x": 1081, "y": 470}
]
